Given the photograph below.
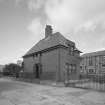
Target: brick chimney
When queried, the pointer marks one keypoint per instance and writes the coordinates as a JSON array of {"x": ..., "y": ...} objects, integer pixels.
[{"x": 48, "y": 31}]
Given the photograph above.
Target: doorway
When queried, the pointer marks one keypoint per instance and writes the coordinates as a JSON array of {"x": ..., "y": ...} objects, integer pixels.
[{"x": 37, "y": 71}]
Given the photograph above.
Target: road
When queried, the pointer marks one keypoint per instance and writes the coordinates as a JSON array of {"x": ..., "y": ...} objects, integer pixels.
[
  {"x": 19, "y": 93},
  {"x": 6, "y": 84}
]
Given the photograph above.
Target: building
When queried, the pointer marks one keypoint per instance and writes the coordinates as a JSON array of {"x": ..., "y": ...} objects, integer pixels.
[
  {"x": 52, "y": 58},
  {"x": 1, "y": 68},
  {"x": 93, "y": 63}
]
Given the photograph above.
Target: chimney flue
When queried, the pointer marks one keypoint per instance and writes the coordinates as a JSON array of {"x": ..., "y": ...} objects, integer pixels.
[{"x": 48, "y": 31}]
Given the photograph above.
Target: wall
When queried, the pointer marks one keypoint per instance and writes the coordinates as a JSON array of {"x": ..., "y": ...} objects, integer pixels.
[
  {"x": 53, "y": 64},
  {"x": 28, "y": 67},
  {"x": 49, "y": 61},
  {"x": 63, "y": 60},
  {"x": 66, "y": 58},
  {"x": 28, "y": 64},
  {"x": 85, "y": 66}
]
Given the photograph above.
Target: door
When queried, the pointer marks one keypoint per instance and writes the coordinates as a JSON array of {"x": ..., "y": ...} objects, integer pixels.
[{"x": 37, "y": 71}]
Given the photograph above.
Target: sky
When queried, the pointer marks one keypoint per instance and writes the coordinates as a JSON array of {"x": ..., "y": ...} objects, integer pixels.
[{"x": 22, "y": 24}]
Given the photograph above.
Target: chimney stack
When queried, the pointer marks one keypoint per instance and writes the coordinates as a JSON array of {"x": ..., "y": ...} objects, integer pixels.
[{"x": 48, "y": 31}]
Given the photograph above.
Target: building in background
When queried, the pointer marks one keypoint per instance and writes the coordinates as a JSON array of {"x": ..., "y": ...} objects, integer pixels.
[
  {"x": 52, "y": 58},
  {"x": 93, "y": 63},
  {"x": 1, "y": 68}
]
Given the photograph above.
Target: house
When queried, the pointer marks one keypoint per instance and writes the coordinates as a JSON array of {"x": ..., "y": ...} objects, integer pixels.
[
  {"x": 52, "y": 58},
  {"x": 93, "y": 63}
]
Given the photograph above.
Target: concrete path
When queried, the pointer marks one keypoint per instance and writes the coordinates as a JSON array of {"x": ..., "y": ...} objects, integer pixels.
[{"x": 20, "y": 93}]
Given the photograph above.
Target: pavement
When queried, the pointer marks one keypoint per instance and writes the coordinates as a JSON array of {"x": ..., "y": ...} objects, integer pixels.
[{"x": 20, "y": 93}]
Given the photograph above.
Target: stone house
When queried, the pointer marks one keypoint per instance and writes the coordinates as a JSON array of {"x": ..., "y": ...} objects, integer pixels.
[
  {"x": 52, "y": 58},
  {"x": 93, "y": 63}
]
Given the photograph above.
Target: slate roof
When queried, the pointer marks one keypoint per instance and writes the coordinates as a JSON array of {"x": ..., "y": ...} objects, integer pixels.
[
  {"x": 51, "y": 41},
  {"x": 97, "y": 53}
]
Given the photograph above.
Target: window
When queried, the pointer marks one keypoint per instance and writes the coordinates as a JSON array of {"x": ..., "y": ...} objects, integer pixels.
[
  {"x": 36, "y": 54},
  {"x": 81, "y": 69},
  {"x": 71, "y": 50},
  {"x": 85, "y": 67},
  {"x": 72, "y": 68},
  {"x": 90, "y": 61},
  {"x": 103, "y": 65},
  {"x": 103, "y": 59},
  {"x": 91, "y": 71}
]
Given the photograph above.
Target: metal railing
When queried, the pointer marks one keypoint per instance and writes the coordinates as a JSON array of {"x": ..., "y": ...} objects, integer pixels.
[{"x": 94, "y": 82}]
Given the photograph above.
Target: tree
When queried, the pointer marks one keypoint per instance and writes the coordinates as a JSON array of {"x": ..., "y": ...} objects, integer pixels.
[{"x": 12, "y": 69}]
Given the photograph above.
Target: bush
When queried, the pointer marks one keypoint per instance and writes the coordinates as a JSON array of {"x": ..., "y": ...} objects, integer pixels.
[{"x": 12, "y": 70}]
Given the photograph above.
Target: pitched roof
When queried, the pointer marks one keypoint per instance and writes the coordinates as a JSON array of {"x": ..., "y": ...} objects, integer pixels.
[
  {"x": 97, "y": 53},
  {"x": 51, "y": 41}
]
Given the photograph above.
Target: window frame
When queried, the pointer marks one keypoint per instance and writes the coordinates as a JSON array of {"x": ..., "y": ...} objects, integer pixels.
[{"x": 71, "y": 49}]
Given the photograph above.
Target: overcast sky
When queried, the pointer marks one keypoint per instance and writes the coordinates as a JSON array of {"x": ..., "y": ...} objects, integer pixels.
[{"x": 22, "y": 24}]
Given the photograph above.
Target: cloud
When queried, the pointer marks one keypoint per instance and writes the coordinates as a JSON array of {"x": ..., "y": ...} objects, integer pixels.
[
  {"x": 35, "y": 4},
  {"x": 37, "y": 29},
  {"x": 60, "y": 15},
  {"x": 68, "y": 13},
  {"x": 95, "y": 25},
  {"x": 83, "y": 20},
  {"x": 91, "y": 35},
  {"x": 18, "y": 1},
  {"x": 71, "y": 13},
  {"x": 1, "y": 0}
]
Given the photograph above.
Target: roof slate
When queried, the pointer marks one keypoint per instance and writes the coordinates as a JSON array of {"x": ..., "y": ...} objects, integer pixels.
[{"x": 51, "y": 41}]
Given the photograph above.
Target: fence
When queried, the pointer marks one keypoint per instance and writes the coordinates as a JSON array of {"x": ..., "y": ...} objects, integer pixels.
[{"x": 95, "y": 82}]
